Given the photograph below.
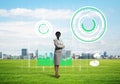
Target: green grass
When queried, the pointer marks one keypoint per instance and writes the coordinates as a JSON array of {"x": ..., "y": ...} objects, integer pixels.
[{"x": 18, "y": 72}]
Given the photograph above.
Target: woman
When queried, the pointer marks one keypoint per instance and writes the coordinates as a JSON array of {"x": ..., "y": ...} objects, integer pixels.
[{"x": 57, "y": 53}]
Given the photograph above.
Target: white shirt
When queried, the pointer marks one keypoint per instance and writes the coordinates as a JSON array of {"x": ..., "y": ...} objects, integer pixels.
[{"x": 59, "y": 44}]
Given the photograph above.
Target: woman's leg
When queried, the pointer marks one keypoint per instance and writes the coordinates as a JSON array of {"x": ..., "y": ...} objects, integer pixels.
[
  {"x": 56, "y": 67},
  {"x": 57, "y": 70}
]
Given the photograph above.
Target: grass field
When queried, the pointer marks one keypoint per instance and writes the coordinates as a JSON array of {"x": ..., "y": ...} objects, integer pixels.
[{"x": 19, "y": 72}]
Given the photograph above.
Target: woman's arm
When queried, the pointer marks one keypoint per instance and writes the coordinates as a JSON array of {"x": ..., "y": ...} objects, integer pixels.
[{"x": 58, "y": 45}]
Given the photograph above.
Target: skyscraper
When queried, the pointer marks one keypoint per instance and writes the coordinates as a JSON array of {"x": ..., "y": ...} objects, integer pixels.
[
  {"x": 0, "y": 55},
  {"x": 36, "y": 53},
  {"x": 51, "y": 55},
  {"x": 105, "y": 54},
  {"x": 68, "y": 53},
  {"x": 24, "y": 53},
  {"x": 31, "y": 55},
  {"x": 63, "y": 54}
]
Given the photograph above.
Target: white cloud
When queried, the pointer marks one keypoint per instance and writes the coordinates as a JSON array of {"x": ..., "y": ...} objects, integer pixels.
[
  {"x": 37, "y": 13},
  {"x": 17, "y": 35},
  {"x": 21, "y": 34},
  {"x": 3, "y": 12}
]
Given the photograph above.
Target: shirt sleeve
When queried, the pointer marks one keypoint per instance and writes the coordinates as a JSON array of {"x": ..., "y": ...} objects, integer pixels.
[{"x": 59, "y": 45}]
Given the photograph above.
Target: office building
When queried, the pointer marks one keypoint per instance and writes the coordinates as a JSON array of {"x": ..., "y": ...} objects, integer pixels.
[
  {"x": 0, "y": 55},
  {"x": 24, "y": 53}
]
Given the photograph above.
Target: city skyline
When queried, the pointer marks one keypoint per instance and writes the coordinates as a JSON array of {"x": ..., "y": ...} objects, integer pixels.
[
  {"x": 24, "y": 52},
  {"x": 18, "y": 19},
  {"x": 66, "y": 54}
]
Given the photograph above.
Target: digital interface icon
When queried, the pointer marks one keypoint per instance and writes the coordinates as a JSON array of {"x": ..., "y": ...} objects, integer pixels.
[
  {"x": 47, "y": 59},
  {"x": 95, "y": 62},
  {"x": 88, "y": 24},
  {"x": 44, "y": 28}
]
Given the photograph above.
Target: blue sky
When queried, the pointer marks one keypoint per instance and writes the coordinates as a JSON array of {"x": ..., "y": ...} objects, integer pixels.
[
  {"x": 55, "y": 4},
  {"x": 17, "y": 27}
]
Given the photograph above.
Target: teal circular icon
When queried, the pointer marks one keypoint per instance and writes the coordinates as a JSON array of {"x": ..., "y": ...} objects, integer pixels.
[
  {"x": 89, "y": 30},
  {"x": 43, "y": 32},
  {"x": 88, "y": 24},
  {"x": 44, "y": 28}
]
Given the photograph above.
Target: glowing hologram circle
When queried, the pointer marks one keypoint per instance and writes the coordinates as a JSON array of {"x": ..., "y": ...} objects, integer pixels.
[
  {"x": 94, "y": 63},
  {"x": 89, "y": 32},
  {"x": 43, "y": 28},
  {"x": 40, "y": 30}
]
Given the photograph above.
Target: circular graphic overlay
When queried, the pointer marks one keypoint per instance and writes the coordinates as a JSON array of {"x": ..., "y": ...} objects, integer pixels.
[
  {"x": 88, "y": 24},
  {"x": 44, "y": 28},
  {"x": 94, "y": 63}
]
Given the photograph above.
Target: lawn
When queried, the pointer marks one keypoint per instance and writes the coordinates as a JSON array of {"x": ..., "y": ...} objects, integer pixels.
[{"x": 22, "y": 72}]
